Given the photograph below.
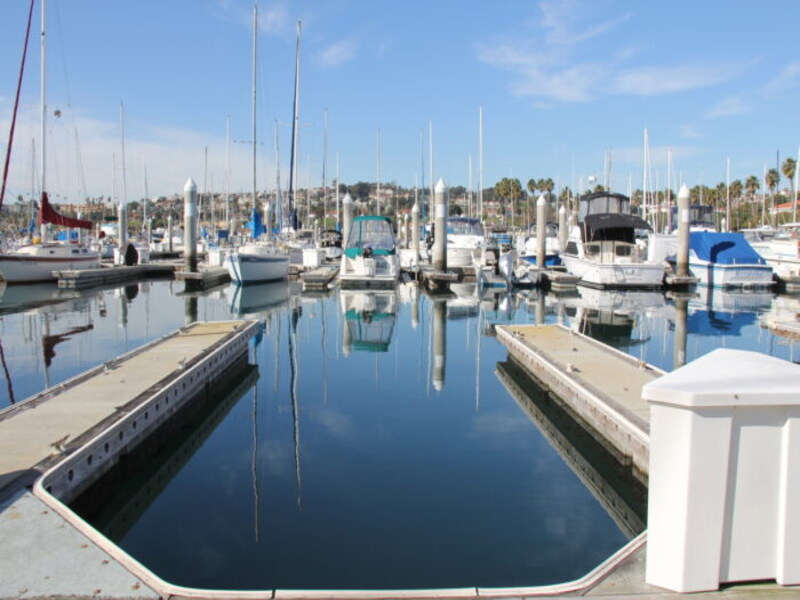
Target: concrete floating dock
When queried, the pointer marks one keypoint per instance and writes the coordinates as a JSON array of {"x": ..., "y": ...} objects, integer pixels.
[
  {"x": 204, "y": 278},
  {"x": 602, "y": 386},
  {"x": 89, "y": 278},
  {"x": 320, "y": 278},
  {"x": 40, "y": 431}
]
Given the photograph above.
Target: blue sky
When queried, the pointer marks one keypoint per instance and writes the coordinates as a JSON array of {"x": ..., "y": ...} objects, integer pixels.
[{"x": 561, "y": 82}]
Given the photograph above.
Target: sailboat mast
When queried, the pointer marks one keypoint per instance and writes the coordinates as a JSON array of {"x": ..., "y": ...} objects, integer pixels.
[
  {"x": 42, "y": 116},
  {"x": 255, "y": 58},
  {"x": 295, "y": 127},
  {"x": 480, "y": 163}
]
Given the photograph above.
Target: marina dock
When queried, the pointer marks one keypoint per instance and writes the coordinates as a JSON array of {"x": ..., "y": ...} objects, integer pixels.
[
  {"x": 89, "y": 278},
  {"x": 38, "y": 432},
  {"x": 600, "y": 385}
]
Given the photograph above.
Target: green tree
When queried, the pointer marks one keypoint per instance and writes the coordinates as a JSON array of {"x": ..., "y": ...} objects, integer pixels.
[
  {"x": 789, "y": 168},
  {"x": 752, "y": 185}
]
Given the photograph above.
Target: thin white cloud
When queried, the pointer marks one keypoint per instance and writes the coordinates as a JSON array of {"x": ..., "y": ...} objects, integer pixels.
[
  {"x": 656, "y": 81},
  {"x": 273, "y": 18},
  {"x": 689, "y": 132},
  {"x": 552, "y": 68},
  {"x": 788, "y": 78},
  {"x": 729, "y": 107},
  {"x": 337, "y": 53}
]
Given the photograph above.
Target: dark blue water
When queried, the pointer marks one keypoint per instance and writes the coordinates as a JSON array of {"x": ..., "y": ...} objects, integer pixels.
[{"x": 374, "y": 446}]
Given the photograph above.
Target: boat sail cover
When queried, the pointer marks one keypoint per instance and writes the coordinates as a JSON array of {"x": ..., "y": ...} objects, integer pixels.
[
  {"x": 723, "y": 248},
  {"x": 48, "y": 214}
]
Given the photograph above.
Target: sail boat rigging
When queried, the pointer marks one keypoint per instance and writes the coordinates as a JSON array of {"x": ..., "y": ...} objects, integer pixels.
[
  {"x": 257, "y": 261},
  {"x": 293, "y": 216},
  {"x": 36, "y": 262}
]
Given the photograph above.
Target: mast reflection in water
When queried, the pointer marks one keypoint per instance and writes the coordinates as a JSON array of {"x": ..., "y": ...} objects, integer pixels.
[{"x": 345, "y": 467}]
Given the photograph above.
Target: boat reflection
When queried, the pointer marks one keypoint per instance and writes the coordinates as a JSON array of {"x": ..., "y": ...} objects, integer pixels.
[
  {"x": 19, "y": 298},
  {"x": 369, "y": 321},
  {"x": 253, "y": 300}
]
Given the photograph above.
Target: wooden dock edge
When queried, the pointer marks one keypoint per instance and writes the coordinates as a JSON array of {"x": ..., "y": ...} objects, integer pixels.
[{"x": 627, "y": 433}]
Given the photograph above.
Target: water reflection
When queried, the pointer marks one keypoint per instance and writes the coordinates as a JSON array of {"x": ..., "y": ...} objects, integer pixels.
[
  {"x": 369, "y": 320},
  {"x": 343, "y": 445},
  {"x": 621, "y": 494}
]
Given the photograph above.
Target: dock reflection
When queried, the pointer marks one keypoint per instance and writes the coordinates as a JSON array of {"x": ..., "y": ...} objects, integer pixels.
[
  {"x": 120, "y": 497},
  {"x": 621, "y": 495}
]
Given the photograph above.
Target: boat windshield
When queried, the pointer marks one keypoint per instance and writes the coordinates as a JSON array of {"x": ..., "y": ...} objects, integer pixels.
[
  {"x": 374, "y": 233},
  {"x": 604, "y": 203},
  {"x": 464, "y": 227}
]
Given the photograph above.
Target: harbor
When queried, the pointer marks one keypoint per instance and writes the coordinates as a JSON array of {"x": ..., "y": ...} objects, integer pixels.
[
  {"x": 500, "y": 310},
  {"x": 327, "y": 339}
]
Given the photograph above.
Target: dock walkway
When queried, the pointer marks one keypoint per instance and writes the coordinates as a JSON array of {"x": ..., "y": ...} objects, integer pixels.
[
  {"x": 601, "y": 385},
  {"x": 45, "y": 426}
]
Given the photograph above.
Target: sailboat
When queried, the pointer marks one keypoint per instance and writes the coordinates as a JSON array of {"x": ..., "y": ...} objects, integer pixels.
[
  {"x": 36, "y": 262},
  {"x": 260, "y": 260}
]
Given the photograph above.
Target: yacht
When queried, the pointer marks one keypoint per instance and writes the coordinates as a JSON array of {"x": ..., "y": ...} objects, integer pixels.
[
  {"x": 370, "y": 256},
  {"x": 552, "y": 247},
  {"x": 464, "y": 241},
  {"x": 726, "y": 260},
  {"x": 602, "y": 250}
]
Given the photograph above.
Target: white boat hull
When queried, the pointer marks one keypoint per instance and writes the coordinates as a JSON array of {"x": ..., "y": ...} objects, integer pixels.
[
  {"x": 731, "y": 276},
  {"x": 29, "y": 268},
  {"x": 615, "y": 275},
  {"x": 245, "y": 268},
  {"x": 371, "y": 272}
]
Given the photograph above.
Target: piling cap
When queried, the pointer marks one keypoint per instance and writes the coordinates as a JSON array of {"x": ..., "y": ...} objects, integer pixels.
[
  {"x": 347, "y": 199},
  {"x": 190, "y": 185},
  {"x": 562, "y": 210},
  {"x": 683, "y": 193},
  {"x": 541, "y": 201},
  {"x": 727, "y": 378},
  {"x": 440, "y": 186},
  {"x": 415, "y": 208}
]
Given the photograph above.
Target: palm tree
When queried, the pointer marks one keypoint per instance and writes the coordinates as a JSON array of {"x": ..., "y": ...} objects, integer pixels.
[
  {"x": 771, "y": 180},
  {"x": 751, "y": 185},
  {"x": 789, "y": 168}
]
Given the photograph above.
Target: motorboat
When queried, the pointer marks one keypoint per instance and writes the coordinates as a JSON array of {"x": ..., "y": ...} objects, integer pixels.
[
  {"x": 780, "y": 248},
  {"x": 369, "y": 319},
  {"x": 370, "y": 256},
  {"x": 552, "y": 247},
  {"x": 602, "y": 249},
  {"x": 726, "y": 260},
  {"x": 464, "y": 241}
]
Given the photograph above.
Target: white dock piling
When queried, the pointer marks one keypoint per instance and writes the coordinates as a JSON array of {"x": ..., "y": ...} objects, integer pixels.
[
  {"x": 415, "y": 232},
  {"x": 563, "y": 231},
  {"x": 189, "y": 226},
  {"x": 440, "y": 227},
  {"x": 724, "y": 498},
  {"x": 682, "y": 259},
  {"x": 541, "y": 218},
  {"x": 347, "y": 217}
]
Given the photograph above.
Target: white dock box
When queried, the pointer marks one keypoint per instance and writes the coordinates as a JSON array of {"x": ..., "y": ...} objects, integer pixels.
[{"x": 724, "y": 498}]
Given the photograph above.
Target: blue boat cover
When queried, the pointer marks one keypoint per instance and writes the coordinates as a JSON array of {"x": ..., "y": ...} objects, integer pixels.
[{"x": 723, "y": 248}]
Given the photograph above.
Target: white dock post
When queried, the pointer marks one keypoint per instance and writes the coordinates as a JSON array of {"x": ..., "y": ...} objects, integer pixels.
[
  {"x": 682, "y": 259},
  {"x": 415, "y": 232},
  {"x": 541, "y": 217},
  {"x": 169, "y": 232},
  {"x": 440, "y": 226},
  {"x": 563, "y": 231},
  {"x": 189, "y": 226},
  {"x": 347, "y": 218},
  {"x": 724, "y": 499}
]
